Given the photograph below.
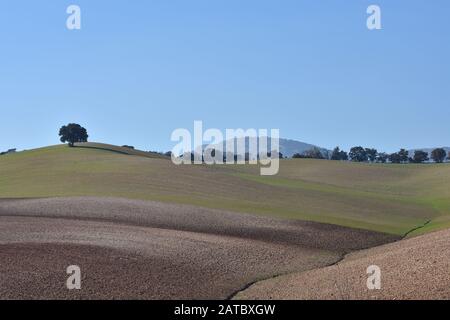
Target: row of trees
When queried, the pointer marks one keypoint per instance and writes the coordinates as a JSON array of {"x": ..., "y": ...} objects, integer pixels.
[
  {"x": 73, "y": 133},
  {"x": 360, "y": 154},
  {"x": 314, "y": 153}
]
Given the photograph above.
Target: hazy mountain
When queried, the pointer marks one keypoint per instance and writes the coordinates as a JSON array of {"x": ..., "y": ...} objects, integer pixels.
[
  {"x": 287, "y": 147},
  {"x": 290, "y": 147}
]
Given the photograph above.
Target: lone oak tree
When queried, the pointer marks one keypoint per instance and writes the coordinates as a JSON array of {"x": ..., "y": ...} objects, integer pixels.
[{"x": 73, "y": 133}]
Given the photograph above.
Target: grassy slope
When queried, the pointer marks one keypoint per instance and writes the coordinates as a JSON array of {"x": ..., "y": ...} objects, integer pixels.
[
  {"x": 387, "y": 198},
  {"x": 121, "y": 150}
]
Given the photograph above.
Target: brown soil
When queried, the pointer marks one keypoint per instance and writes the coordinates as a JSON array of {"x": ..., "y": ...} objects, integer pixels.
[
  {"x": 130, "y": 249},
  {"x": 416, "y": 268}
]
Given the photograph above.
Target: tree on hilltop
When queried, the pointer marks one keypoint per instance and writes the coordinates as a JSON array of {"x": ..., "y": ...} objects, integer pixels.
[
  {"x": 73, "y": 133},
  {"x": 339, "y": 154},
  {"x": 358, "y": 154},
  {"x": 419, "y": 157},
  {"x": 371, "y": 154},
  {"x": 438, "y": 155},
  {"x": 404, "y": 155},
  {"x": 313, "y": 153},
  {"x": 382, "y": 157},
  {"x": 395, "y": 158}
]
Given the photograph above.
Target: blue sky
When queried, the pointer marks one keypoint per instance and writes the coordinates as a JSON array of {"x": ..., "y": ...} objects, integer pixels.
[{"x": 137, "y": 70}]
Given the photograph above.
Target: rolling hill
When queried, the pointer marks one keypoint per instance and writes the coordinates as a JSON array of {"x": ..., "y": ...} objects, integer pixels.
[{"x": 395, "y": 199}]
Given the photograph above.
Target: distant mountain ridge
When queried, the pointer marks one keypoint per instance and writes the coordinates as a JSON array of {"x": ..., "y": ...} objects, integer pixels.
[{"x": 288, "y": 147}]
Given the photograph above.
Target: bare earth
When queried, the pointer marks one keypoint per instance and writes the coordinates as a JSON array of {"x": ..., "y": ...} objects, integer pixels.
[
  {"x": 132, "y": 249},
  {"x": 416, "y": 268}
]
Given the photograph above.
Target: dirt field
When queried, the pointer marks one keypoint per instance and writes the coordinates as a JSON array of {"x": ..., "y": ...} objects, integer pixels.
[
  {"x": 417, "y": 268},
  {"x": 149, "y": 250}
]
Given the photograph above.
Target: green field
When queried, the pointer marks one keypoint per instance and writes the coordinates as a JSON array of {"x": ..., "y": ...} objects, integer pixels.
[{"x": 389, "y": 198}]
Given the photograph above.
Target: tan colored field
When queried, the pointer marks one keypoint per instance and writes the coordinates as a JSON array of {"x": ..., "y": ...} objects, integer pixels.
[{"x": 416, "y": 268}]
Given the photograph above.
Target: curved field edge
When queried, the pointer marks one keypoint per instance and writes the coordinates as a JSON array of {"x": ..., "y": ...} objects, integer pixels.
[
  {"x": 184, "y": 252},
  {"x": 385, "y": 198},
  {"x": 413, "y": 268}
]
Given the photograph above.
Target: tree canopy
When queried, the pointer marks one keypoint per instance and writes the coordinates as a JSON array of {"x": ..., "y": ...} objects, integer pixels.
[
  {"x": 358, "y": 154},
  {"x": 438, "y": 155},
  {"x": 73, "y": 133},
  {"x": 339, "y": 154},
  {"x": 419, "y": 156}
]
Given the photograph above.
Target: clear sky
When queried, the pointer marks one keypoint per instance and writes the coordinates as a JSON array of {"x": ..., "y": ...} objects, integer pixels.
[{"x": 137, "y": 70}]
